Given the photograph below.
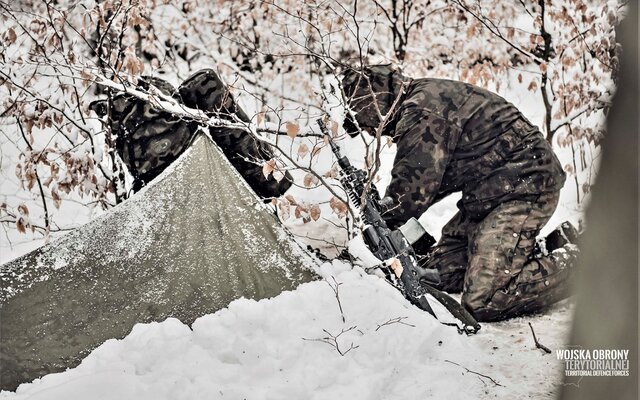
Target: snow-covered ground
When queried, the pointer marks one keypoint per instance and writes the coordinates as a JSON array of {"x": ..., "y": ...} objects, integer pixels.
[{"x": 276, "y": 349}]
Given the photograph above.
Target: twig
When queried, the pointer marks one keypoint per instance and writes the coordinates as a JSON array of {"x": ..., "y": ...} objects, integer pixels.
[
  {"x": 398, "y": 320},
  {"x": 538, "y": 344},
  {"x": 35, "y": 171},
  {"x": 474, "y": 372},
  {"x": 336, "y": 290},
  {"x": 332, "y": 340}
]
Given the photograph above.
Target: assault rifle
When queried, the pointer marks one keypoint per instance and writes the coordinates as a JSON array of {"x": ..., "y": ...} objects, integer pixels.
[{"x": 393, "y": 247}]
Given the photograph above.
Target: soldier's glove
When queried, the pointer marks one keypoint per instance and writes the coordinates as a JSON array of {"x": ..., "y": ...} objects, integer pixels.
[{"x": 423, "y": 245}]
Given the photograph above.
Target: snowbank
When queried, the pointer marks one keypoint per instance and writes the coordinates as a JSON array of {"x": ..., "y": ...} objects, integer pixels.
[{"x": 272, "y": 349}]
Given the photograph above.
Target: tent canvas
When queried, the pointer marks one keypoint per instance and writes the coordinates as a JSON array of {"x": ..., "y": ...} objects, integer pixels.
[{"x": 185, "y": 246}]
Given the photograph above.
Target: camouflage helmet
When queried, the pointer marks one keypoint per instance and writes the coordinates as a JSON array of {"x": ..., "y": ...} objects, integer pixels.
[{"x": 384, "y": 81}]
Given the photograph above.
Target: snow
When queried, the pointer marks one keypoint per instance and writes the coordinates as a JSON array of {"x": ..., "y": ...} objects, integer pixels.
[{"x": 269, "y": 349}]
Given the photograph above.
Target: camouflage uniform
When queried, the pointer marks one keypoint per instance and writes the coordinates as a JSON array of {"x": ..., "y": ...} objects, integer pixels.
[
  {"x": 148, "y": 139},
  {"x": 453, "y": 137}
]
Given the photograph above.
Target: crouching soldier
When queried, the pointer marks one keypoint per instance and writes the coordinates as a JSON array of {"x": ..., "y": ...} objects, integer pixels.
[
  {"x": 452, "y": 137},
  {"x": 150, "y": 139}
]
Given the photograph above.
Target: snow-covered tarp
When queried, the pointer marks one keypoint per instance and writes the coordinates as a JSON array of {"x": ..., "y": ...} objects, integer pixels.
[{"x": 187, "y": 245}]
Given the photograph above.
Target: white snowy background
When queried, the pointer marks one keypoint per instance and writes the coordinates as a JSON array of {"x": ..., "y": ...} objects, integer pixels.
[{"x": 274, "y": 348}]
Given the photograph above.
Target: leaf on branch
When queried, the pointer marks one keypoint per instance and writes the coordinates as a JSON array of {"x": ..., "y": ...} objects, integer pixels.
[
  {"x": 132, "y": 63},
  {"x": 310, "y": 180},
  {"x": 10, "y": 36},
  {"x": 86, "y": 75},
  {"x": 291, "y": 200},
  {"x": 268, "y": 168},
  {"x": 333, "y": 127},
  {"x": 314, "y": 212},
  {"x": 332, "y": 173},
  {"x": 338, "y": 206},
  {"x": 303, "y": 150},
  {"x": 285, "y": 210},
  {"x": 56, "y": 199},
  {"x": 543, "y": 67},
  {"x": 389, "y": 141},
  {"x": 510, "y": 32},
  {"x": 260, "y": 117},
  {"x": 21, "y": 226},
  {"x": 22, "y": 209},
  {"x": 301, "y": 211},
  {"x": 569, "y": 169},
  {"x": 292, "y": 129}
]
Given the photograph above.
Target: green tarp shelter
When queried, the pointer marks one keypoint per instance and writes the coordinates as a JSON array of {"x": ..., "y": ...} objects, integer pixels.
[{"x": 188, "y": 244}]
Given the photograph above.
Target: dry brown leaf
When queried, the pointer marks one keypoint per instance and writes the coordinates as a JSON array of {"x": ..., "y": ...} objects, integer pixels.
[
  {"x": 338, "y": 206},
  {"x": 22, "y": 209},
  {"x": 310, "y": 180},
  {"x": 10, "y": 36},
  {"x": 303, "y": 150},
  {"x": 291, "y": 200},
  {"x": 285, "y": 210},
  {"x": 260, "y": 118},
  {"x": 333, "y": 127},
  {"x": 292, "y": 129},
  {"x": 332, "y": 173},
  {"x": 314, "y": 212},
  {"x": 268, "y": 168},
  {"x": 56, "y": 199},
  {"x": 20, "y": 225}
]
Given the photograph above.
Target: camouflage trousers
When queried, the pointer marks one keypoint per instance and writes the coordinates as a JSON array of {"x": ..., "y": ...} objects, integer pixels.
[{"x": 493, "y": 262}]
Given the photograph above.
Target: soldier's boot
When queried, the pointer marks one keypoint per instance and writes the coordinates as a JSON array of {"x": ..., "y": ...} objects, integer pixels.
[
  {"x": 541, "y": 283},
  {"x": 544, "y": 281}
]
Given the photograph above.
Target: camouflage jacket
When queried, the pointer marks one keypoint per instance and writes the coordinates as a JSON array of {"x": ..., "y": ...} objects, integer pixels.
[{"x": 453, "y": 136}]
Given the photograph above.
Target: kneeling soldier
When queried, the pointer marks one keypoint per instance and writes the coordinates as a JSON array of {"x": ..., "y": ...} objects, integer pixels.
[{"x": 455, "y": 137}]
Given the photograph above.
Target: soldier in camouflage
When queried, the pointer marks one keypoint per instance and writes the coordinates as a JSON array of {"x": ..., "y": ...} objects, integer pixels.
[
  {"x": 455, "y": 137},
  {"x": 149, "y": 139}
]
